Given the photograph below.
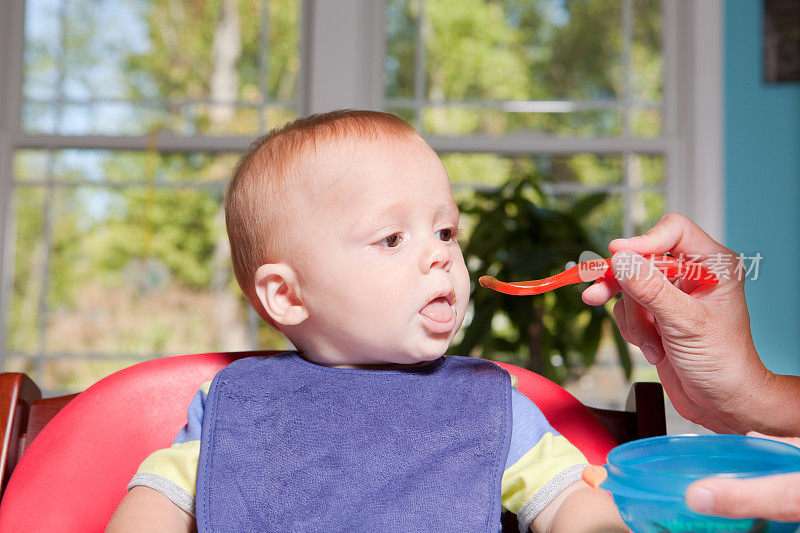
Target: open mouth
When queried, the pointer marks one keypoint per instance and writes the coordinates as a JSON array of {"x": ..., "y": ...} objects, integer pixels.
[{"x": 439, "y": 314}]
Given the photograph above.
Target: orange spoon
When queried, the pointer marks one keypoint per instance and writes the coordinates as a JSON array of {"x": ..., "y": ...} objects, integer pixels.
[{"x": 671, "y": 267}]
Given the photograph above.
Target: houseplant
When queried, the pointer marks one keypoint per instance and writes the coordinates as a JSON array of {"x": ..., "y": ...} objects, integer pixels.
[{"x": 517, "y": 234}]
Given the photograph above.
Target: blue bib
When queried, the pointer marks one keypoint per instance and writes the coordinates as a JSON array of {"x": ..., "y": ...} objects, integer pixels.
[{"x": 291, "y": 446}]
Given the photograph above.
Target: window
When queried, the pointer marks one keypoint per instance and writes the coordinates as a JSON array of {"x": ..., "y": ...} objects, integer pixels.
[
  {"x": 133, "y": 114},
  {"x": 122, "y": 119}
]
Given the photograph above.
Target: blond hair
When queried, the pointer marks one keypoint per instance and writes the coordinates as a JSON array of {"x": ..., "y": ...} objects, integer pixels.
[{"x": 258, "y": 202}]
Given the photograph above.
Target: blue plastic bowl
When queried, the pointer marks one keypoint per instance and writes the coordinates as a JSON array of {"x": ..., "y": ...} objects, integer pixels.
[{"x": 648, "y": 479}]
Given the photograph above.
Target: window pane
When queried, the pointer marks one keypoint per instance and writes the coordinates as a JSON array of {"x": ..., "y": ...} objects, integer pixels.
[
  {"x": 137, "y": 272},
  {"x": 647, "y": 76},
  {"x": 455, "y": 119},
  {"x": 26, "y": 262},
  {"x": 495, "y": 67},
  {"x": 478, "y": 169},
  {"x": 586, "y": 169},
  {"x": 121, "y": 271},
  {"x": 127, "y": 67},
  {"x": 198, "y": 170},
  {"x": 646, "y": 123},
  {"x": 541, "y": 50},
  {"x": 646, "y": 169},
  {"x": 38, "y": 118},
  {"x": 604, "y": 222},
  {"x": 571, "y": 179},
  {"x": 485, "y": 169},
  {"x": 42, "y": 48},
  {"x": 647, "y": 208},
  {"x": 401, "y": 36},
  {"x": 32, "y": 165}
]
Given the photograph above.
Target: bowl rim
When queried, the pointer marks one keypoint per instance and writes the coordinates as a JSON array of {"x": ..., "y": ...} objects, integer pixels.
[{"x": 776, "y": 446}]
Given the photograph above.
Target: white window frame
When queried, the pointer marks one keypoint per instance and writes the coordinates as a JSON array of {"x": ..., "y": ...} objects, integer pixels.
[{"x": 342, "y": 49}]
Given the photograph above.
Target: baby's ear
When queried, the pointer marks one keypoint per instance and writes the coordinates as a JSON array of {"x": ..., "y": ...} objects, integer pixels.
[{"x": 278, "y": 289}]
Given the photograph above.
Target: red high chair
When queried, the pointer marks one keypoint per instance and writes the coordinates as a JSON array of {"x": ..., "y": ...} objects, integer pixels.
[{"x": 65, "y": 462}]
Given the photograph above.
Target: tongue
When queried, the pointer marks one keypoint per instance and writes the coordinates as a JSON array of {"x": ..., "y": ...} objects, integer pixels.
[{"x": 438, "y": 310}]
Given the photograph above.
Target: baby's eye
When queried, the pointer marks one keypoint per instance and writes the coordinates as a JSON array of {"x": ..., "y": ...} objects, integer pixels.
[
  {"x": 392, "y": 241},
  {"x": 448, "y": 234}
]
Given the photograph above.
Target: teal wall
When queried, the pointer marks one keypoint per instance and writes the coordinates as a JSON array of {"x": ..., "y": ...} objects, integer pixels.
[{"x": 762, "y": 173}]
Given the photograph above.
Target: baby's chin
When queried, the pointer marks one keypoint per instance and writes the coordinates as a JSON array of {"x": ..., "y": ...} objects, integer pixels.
[
  {"x": 424, "y": 359},
  {"x": 408, "y": 359},
  {"x": 389, "y": 365},
  {"x": 377, "y": 357}
]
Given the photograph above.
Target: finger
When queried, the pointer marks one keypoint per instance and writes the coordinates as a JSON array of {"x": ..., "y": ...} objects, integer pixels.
[
  {"x": 672, "y": 233},
  {"x": 600, "y": 291},
  {"x": 670, "y": 306},
  {"x": 687, "y": 285},
  {"x": 622, "y": 321},
  {"x": 640, "y": 327},
  {"x": 771, "y": 497},
  {"x": 794, "y": 441}
]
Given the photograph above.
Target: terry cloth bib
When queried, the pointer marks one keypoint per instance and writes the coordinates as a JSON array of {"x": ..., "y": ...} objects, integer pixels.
[{"x": 291, "y": 446}]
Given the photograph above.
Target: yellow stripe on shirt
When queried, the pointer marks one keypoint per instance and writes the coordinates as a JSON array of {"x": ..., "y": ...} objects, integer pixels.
[
  {"x": 521, "y": 481},
  {"x": 178, "y": 463}
]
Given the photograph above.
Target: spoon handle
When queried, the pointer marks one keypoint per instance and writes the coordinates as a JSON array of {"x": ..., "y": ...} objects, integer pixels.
[{"x": 671, "y": 267}]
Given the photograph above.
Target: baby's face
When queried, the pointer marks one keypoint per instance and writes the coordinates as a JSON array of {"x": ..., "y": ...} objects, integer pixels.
[{"x": 382, "y": 274}]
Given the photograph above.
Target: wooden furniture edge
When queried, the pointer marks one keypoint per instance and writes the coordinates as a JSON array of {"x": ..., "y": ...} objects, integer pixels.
[{"x": 17, "y": 393}]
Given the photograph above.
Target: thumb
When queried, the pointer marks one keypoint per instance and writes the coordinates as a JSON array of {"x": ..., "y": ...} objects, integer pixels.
[
  {"x": 772, "y": 497},
  {"x": 641, "y": 280}
]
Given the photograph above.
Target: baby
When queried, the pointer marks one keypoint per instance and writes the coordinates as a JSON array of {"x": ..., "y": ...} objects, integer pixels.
[{"x": 343, "y": 235}]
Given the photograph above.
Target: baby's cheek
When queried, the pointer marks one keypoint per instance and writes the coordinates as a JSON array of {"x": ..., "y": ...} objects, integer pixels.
[{"x": 461, "y": 287}]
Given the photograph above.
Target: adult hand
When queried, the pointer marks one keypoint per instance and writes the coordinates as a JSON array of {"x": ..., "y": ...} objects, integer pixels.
[
  {"x": 772, "y": 497},
  {"x": 698, "y": 337}
]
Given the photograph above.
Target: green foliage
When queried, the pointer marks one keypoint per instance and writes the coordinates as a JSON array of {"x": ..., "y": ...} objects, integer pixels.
[
  {"x": 471, "y": 51},
  {"x": 518, "y": 236},
  {"x": 175, "y": 227},
  {"x": 506, "y": 50}
]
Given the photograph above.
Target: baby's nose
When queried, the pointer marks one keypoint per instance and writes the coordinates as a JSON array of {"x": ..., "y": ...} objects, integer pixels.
[{"x": 436, "y": 256}]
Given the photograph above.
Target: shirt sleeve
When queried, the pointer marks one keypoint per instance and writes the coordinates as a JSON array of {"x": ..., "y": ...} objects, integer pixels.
[
  {"x": 173, "y": 471},
  {"x": 541, "y": 462}
]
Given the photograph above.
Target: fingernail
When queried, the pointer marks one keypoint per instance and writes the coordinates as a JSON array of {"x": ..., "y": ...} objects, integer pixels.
[
  {"x": 621, "y": 258},
  {"x": 651, "y": 354},
  {"x": 700, "y": 500}
]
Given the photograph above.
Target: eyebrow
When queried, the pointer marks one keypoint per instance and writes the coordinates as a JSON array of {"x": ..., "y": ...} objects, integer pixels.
[
  {"x": 447, "y": 209},
  {"x": 441, "y": 210}
]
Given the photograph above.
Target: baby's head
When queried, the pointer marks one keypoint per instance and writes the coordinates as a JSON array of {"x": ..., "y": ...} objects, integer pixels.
[{"x": 343, "y": 236}]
